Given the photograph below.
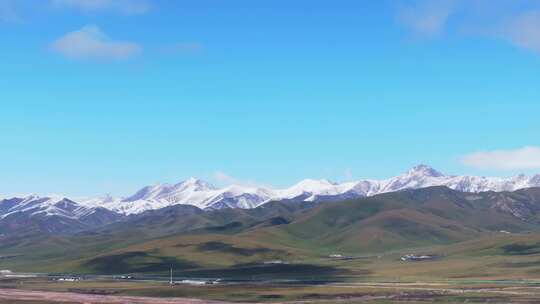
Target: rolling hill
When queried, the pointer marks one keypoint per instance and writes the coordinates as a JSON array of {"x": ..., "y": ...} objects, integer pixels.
[{"x": 220, "y": 241}]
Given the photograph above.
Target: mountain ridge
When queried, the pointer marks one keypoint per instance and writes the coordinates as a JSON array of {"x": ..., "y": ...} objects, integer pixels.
[
  {"x": 400, "y": 220},
  {"x": 203, "y": 195},
  {"x": 206, "y": 196}
]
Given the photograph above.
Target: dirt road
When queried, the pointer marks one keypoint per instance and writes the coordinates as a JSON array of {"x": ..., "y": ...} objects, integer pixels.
[{"x": 11, "y": 295}]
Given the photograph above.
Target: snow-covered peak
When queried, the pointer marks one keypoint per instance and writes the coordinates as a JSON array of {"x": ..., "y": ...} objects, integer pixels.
[
  {"x": 424, "y": 171},
  {"x": 237, "y": 196},
  {"x": 47, "y": 206},
  {"x": 168, "y": 191},
  {"x": 311, "y": 189},
  {"x": 238, "y": 189},
  {"x": 194, "y": 184},
  {"x": 313, "y": 185},
  {"x": 203, "y": 195},
  {"x": 148, "y": 192}
]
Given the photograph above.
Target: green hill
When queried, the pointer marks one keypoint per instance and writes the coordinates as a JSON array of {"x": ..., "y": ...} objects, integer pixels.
[{"x": 301, "y": 235}]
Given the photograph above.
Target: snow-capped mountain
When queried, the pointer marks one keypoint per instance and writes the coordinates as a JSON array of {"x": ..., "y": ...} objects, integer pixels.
[
  {"x": 186, "y": 190},
  {"x": 316, "y": 190},
  {"x": 51, "y": 214},
  {"x": 205, "y": 196},
  {"x": 189, "y": 192},
  {"x": 423, "y": 176},
  {"x": 35, "y": 205}
]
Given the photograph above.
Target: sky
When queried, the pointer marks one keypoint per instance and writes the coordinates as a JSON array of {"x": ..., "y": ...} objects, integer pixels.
[{"x": 107, "y": 96}]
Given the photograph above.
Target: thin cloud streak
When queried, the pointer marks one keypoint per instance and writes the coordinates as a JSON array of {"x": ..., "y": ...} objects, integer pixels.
[
  {"x": 524, "y": 31},
  {"x": 225, "y": 179},
  {"x": 518, "y": 159},
  {"x": 426, "y": 17},
  {"x": 91, "y": 43},
  {"x": 127, "y": 7},
  {"x": 517, "y": 22},
  {"x": 8, "y": 11}
]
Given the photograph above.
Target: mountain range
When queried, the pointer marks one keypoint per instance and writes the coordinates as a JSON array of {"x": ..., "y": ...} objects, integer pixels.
[
  {"x": 233, "y": 241},
  {"x": 55, "y": 213}
]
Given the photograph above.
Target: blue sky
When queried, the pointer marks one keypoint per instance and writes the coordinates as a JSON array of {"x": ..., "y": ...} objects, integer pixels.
[{"x": 106, "y": 96}]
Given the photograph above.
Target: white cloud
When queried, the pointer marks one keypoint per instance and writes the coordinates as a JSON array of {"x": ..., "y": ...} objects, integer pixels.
[
  {"x": 8, "y": 12},
  {"x": 524, "y": 30},
  {"x": 129, "y": 7},
  {"x": 226, "y": 179},
  {"x": 348, "y": 174},
  {"x": 523, "y": 158},
  {"x": 426, "y": 17},
  {"x": 517, "y": 21},
  {"x": 90, "y": 42}
]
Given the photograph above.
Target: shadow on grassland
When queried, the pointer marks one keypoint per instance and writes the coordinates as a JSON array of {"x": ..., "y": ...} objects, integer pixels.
[
  {"x": 305, "y": 272},
  {"x": 521, "y": 249},
  {"x": 136, "y": 262},
  {"x": 143, "y": 262},
  {"x": 228, "y": 248}
]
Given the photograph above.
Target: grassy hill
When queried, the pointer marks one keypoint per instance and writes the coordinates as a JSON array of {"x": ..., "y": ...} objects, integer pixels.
[{"x": 463, "y": 229}]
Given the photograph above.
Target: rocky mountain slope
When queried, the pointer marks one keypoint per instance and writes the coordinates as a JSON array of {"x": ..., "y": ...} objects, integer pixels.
[
  {"x": 205, "y": 196},
  {"x": 287, "y": 230},
  {"x": 51, "y": 215},
  {"x": 58, "y": 213}
]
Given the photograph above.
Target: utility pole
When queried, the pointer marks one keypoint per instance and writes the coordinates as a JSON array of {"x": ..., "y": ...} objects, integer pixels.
[{"x": 170, "y": 280}]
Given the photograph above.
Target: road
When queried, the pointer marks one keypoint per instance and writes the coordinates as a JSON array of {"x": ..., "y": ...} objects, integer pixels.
[{"x": 10, "y": 295}]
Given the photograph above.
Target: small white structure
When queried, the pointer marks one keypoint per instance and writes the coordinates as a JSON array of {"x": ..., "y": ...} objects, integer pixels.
[
  {"x": 127, "y": 277},
  {"x": 340, "y": 257},
  {"x": 191, "y": 282},
  {"x": 69, "y": 279},
  {"x": 5, "y": 273},
  {"x": 414, "y": 257},
  {"x": 198, "y": 282},
  {"x": 274, "y": 262},
  {"x": 335, "y": 256}
]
